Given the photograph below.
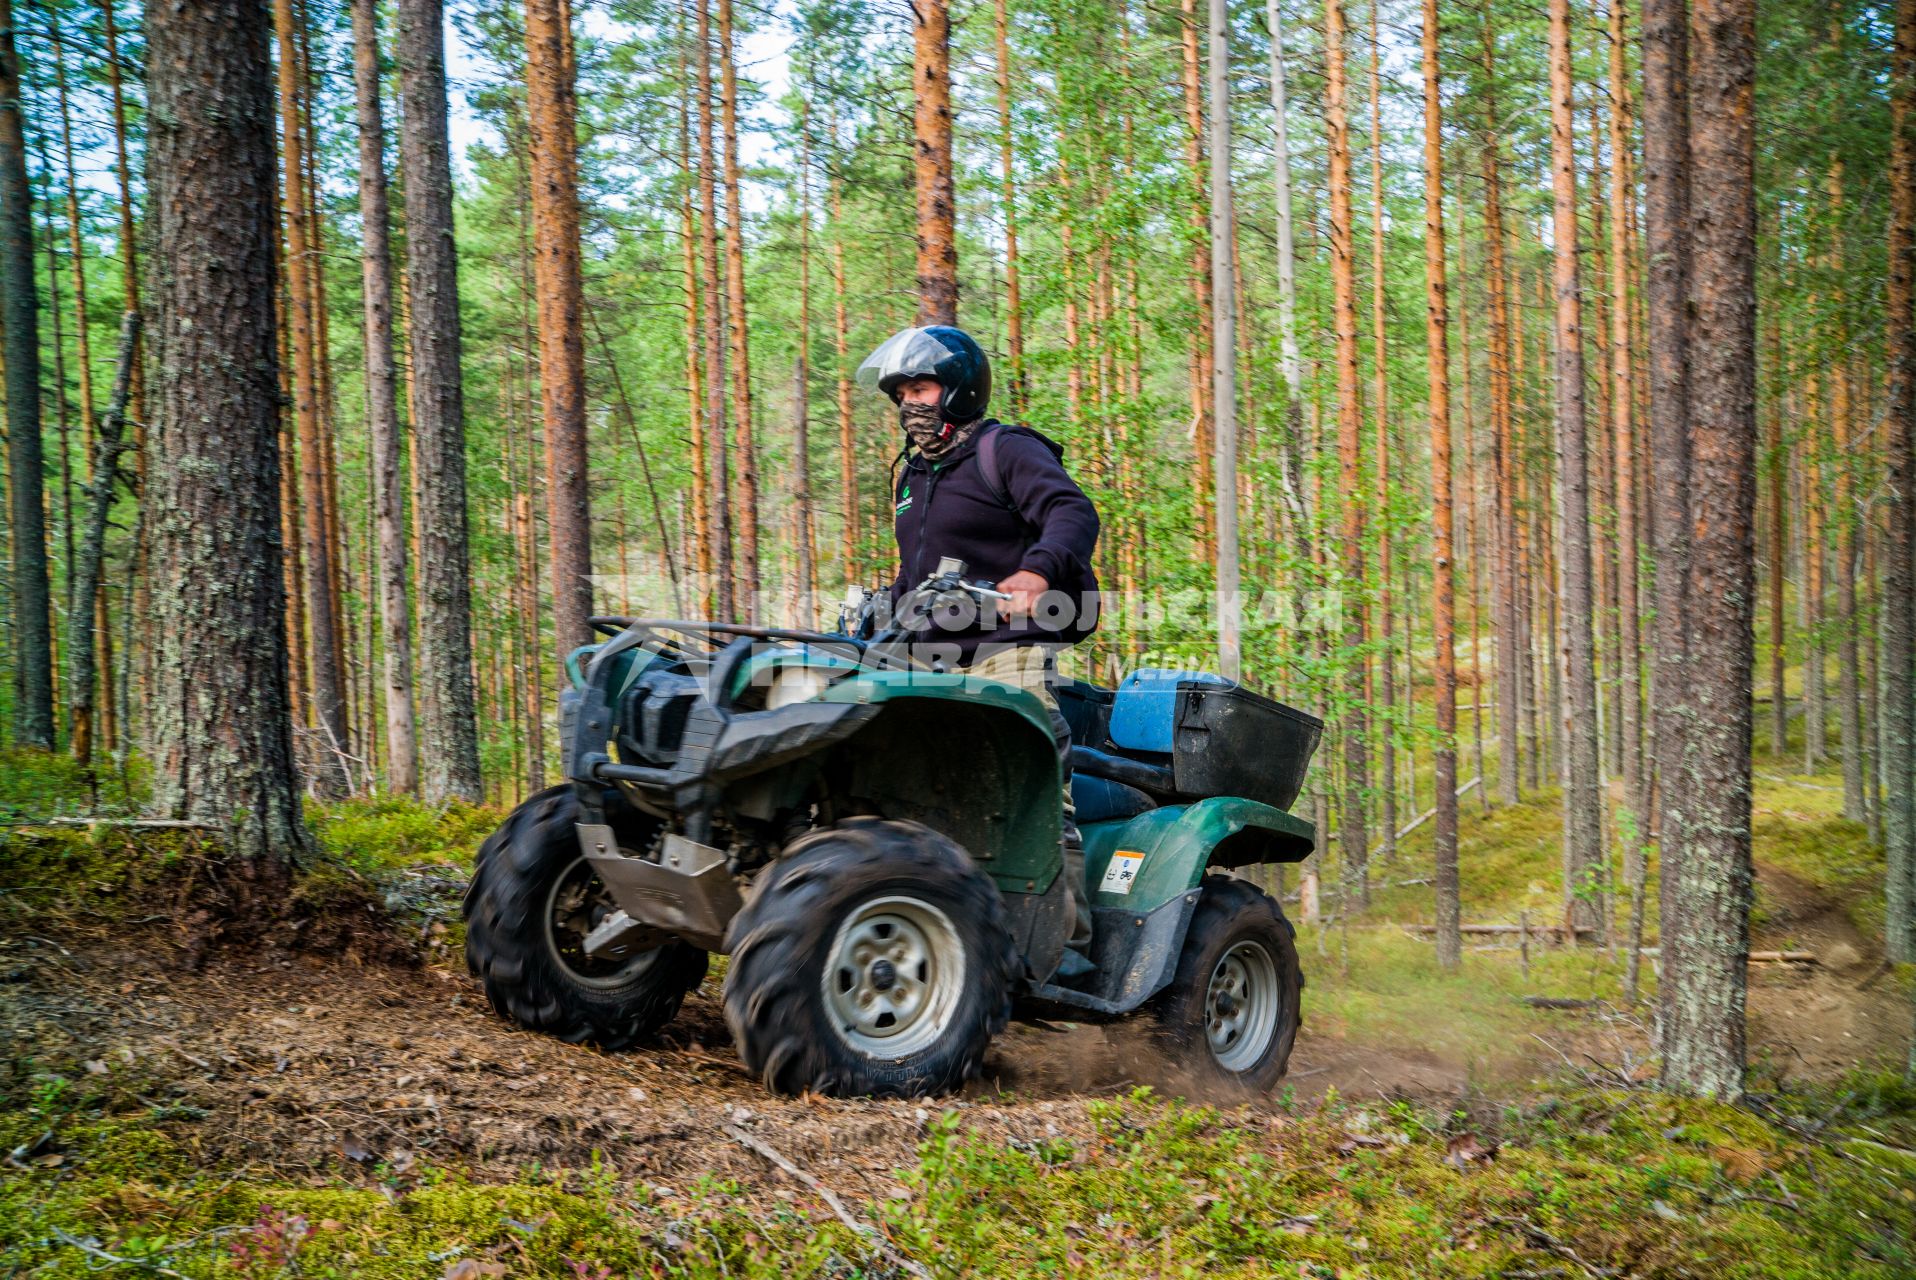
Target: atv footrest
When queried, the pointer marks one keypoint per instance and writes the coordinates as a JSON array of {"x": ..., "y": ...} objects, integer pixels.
[{"x": 1136, "y": 954}]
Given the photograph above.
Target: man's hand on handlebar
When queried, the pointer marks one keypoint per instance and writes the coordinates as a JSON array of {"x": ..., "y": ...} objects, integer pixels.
[{"x": 1021, "y": 591}]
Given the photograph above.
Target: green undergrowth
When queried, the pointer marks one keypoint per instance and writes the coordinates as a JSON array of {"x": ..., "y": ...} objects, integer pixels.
[
  {"x": 1380, "y": 988},
  {"x": 382, "y": 833},
  {"x": 43, "y": 784},
  {"x": 383, "y": 849},
  {"x": 1573, "y": 1182}
]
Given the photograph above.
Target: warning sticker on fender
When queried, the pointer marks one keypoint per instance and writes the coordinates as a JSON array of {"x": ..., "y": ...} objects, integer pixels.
[{"x": 1122, "y": 873}]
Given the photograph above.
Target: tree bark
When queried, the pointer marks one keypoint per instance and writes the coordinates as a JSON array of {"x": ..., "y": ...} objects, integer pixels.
[
  {"x": 841, "y": 347},
  {"x": 221, "y": 724},
  {"x": 931, "y": 163},
  {"x": 1443, "y": 569},
  {"x": 704, "y": 550},
  {"x": 1505, "y": 614},
  {"x": 1779, "y": 523},
  {"x": 1899, "y": 558},
  {"x": 1623, "y": 440},
  {"x": 1704, "y": 1005},
  {"x": 552, "y": 132},
  {"x": 1580, "y": 768},
  {"x": 1202, "y": 344},
  {"x": 85, "y": 630},
  {"x": 717, "y": 455},
  {"x": 20, "y": 320},
  {"x": 802, "y": 497},
  {"x": 382, "y": 408},
  {"x": 1849, "y": 693},
  {"x": 1224, "y": 348},
  {"x": 317, "y": 547},
  {"x": 85, "y": 618},
  {"x": 1380, "y": 410},
  {"x": 746, "y": 509},
  {"x": 451, "y": 745},
  {"x": 1014, "y": 298},
  {"x": 1351, "y": 824}
]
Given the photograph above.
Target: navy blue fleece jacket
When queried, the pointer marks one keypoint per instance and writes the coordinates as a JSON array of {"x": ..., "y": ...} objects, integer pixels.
[{"x": 1049, "y": 528}]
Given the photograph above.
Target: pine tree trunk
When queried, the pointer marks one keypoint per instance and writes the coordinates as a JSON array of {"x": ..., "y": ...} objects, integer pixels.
[
  {"x": 552, "y": 124},
  {"x": 221, "y": 741},
  {"x": 317, "y": 548},
  {"x": 86, "y": 621},
  {"x": 1473, "y": 536},
  {"x": 1352, "y": 827},
  {"x": 20, "y": 321},
  {"x": 1849, "y": 693},
  {"x": 746, "y": 508},
  {"x": 1224, "y": 348},
  {"x": 1899, "y": 546},
  {"x": 1779, "y": 523},
  {"x": 1578, "y": 764},
  {"x": 802, "y": 496},
  {"x": 1815, "y": 709},
  {"x": 1014, "y": 299},
  {"x": 1443, "y": 581},
  {"x": 1623, "y": 439},
  {"x": 388, "y": 465},
  {"x": 1704, "y": 1004},
  {"x": 718, "y": 458},
  {"x": 849, "y": 565},
  {"x": 703, "y": 531},
  {"x": 931, "y": 163},
  {"x": 86, "y": 624},
  {"x": 450, "y": 745},
  {"x": 135, "y": 598},
  {"x": 1380, "y": 410},
  {"x": 1201, "y": 372},
  {"x": 1505, "y": 613}
]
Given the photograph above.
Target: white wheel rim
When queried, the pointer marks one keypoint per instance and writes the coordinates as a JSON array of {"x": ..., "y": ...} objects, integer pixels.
[
  {"x": 894, "y": 976},
  {"x": 1241, "y": 1006},
  {"x": 575, "y": 905}
]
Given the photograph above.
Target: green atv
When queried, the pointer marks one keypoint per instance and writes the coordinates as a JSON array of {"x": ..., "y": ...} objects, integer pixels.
[{"x": 876, "y": 845}]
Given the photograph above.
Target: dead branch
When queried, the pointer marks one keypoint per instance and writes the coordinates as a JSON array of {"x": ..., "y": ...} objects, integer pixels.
[{"x": 858, "y": 1225}]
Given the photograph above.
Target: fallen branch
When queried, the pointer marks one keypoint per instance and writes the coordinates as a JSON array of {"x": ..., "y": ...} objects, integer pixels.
[
  {"x": 1758, "y": 957},
  {"x": 1499, "y": 930},
  {"x": 1538, "y": 1236},
  {"x": 157, "y": 824},
  {"x": 113, "y": 1259},
  {"x": 1559, "y": 1002},
  {"x": 1417, "y": 822},
  {"x": 857, "y": 1225}
]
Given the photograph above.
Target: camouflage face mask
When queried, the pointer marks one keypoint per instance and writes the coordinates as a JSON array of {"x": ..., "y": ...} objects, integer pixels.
[{"x": 926, "y": 427}]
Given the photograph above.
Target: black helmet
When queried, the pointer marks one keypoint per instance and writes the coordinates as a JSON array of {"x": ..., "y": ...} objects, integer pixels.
[{"x": 942, "y": 352}]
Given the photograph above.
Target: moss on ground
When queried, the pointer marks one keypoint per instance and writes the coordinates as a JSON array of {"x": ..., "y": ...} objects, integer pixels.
[{"x": 1573, "y": 1181}]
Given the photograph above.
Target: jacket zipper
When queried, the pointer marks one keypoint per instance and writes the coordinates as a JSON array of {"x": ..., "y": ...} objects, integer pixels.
[{"x": 924, "y": 514}]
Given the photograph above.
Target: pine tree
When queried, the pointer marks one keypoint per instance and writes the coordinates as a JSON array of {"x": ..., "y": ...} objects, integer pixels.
[
  {"x": 382, "y": 408},
  {"x": 450, "y": 746},
  {"x": 551, "y": 120},
  {"x": 32, "y": 594},
  {"x": 221, "y": 722}
]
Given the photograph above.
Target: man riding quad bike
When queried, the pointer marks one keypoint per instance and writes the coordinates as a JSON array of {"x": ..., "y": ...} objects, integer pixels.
[{"x": 874, "y": 826}]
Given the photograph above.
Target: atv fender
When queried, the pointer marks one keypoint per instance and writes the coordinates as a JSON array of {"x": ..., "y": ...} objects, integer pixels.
[
  {"x": 1143, "y": 877},
  {"x": 968, "y": 757}
]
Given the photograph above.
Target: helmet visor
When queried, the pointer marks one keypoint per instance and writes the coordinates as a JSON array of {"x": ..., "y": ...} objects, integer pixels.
[{"x": 909, "y": 353}]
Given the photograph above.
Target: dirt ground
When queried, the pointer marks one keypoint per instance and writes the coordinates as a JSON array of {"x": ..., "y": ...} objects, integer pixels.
[{"x": 310, "y": 1066}]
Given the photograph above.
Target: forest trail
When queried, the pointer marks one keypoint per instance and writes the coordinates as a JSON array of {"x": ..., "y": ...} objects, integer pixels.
[{"x": 324, "y": 1063}]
